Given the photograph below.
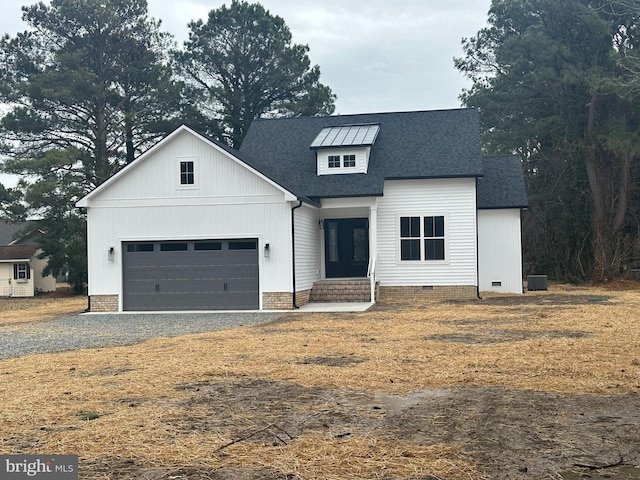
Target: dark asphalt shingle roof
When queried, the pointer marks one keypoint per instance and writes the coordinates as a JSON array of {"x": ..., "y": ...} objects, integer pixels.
[
  {"x": 425, "y": 144},
  {"x": 502, "y": 185},
  {"x": 8, "y": 231},
  {"x": 17, "y": 252}
]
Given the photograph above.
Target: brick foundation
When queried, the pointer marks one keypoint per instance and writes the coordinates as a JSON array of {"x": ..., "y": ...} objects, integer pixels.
[
  {"x": 302, "y": 298},
  {"x": 104, "y": 303},
  {"x": 408, "y": 294},
  {"x": 284, "y": 300}
]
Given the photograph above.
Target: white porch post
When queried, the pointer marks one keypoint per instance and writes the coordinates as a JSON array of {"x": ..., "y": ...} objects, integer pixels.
[
  {"x": 373, "y": 230},
  {"x": 373, "y": 247}
]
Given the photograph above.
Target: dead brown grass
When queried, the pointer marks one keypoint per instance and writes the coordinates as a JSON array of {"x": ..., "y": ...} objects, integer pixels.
[
  {"x": 133, "y": 402},
  {"x": 41, "y": 307}
]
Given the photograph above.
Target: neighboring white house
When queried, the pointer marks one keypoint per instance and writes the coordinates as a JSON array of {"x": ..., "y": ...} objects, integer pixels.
[
  {"x": 400, "y": 200},
  {"x": 20, "y": 264}
]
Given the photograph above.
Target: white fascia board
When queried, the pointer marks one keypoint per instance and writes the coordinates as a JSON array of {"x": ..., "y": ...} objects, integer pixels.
[{"x": 84, "y": 201}]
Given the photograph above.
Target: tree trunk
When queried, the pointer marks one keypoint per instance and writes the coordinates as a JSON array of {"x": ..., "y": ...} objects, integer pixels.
[{"x": 609, "y": 182}]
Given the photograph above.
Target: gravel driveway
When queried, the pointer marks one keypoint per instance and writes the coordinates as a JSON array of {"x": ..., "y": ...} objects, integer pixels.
[{"x": 106, "y": 330}]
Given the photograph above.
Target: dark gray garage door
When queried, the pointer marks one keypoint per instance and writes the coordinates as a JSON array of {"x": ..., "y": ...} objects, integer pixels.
[{"x": 190, "y": 275}]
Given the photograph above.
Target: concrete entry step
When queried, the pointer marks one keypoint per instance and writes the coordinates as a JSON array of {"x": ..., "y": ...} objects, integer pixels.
[{"x": 341, "y": 290}]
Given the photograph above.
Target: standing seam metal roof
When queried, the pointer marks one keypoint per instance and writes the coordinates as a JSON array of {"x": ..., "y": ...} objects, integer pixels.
[{"x": 347, "y": 135}]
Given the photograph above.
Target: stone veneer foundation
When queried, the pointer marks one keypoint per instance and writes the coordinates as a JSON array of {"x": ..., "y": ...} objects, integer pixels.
[{"x": 428, "y": 293}]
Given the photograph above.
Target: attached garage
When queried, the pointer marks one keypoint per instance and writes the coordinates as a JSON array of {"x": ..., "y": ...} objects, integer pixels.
[{"x": 190, "y": 275}]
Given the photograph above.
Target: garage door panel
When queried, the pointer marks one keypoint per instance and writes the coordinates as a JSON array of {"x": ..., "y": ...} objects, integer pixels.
[{"x": 208, "y": 275}]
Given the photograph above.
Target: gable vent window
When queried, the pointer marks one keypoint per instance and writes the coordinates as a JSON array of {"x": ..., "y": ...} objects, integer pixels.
[
  {"x": 349, "y": 161},
  {"x": 187, "y": 175},
  {"x": 334, "y": 161}
]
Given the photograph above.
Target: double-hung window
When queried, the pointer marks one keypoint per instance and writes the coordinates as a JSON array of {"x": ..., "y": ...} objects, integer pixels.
[
  {"x": 410, "y": 238},
  {"x": 434, "y": 238},
  {"x": 422, "y": 238}
]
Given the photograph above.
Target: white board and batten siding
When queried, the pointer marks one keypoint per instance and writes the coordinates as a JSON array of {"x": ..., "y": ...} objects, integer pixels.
[
  {"x": 455, "y": 199},
  {"x": 228, "y": 201},
  {"x": 499, "y": 250}
]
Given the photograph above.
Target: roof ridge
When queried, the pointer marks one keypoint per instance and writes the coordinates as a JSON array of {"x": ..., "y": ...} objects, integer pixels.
[{"x": 342, "y": 115}]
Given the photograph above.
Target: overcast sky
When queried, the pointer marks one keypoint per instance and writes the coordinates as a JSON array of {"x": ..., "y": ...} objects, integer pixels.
[{"x": 376, "y": 55}]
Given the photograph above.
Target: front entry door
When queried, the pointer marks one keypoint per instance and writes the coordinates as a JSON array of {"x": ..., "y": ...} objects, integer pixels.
[{"x": 346, "y": 243}]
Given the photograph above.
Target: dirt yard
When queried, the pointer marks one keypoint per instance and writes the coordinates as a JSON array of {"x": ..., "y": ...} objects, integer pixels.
[{"x": 543, "y": 385}]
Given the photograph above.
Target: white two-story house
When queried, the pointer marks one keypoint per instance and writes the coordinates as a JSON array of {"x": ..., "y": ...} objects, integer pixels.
[{"x": 402, "y": 204}]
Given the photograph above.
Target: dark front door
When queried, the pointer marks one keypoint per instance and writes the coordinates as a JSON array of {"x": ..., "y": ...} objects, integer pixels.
[{"x": 346, "y": 243}]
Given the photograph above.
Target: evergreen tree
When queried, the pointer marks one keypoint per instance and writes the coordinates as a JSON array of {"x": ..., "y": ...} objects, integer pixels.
[
  {"x": 87, "y": 86},
  {"x": 244, "y": 66},
  {"x": 554, "y": 82}
]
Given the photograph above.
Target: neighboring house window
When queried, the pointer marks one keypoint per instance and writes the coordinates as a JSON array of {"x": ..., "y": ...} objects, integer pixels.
[
  {"x": 21, "y": 272},
  {"x": 334, "y": 161},
  {"x": 422, "y": 238},
  {"x": 187, "y": 176},
  {"x": 349, "y": 160}
]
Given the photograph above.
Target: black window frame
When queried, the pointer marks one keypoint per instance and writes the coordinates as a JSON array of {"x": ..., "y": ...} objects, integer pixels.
[
  {"x": 349, "y": 161},
  {"x": 187, "y": 173},
  {"x": 410, "y": 238},
  {"x": 434, "y": 237},
  {"x": 423, "y": 238},
  {"x": 333, "y": 161}
]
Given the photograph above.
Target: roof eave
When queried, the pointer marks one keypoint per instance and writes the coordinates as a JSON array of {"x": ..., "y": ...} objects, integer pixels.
[
  {"x": 432, "y": 177},
  {"x": 504, "y": 207}
]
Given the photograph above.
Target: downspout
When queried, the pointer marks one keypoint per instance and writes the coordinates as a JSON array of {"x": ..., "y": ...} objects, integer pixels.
[
  {"x": 477, "y": 247},
  {"x": 293, "y": 252}
]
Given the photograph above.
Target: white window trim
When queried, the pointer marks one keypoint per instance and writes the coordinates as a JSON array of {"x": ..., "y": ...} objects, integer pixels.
[
  {"x": 196, "y": 175},
  {"x": 422, "y": 262}
]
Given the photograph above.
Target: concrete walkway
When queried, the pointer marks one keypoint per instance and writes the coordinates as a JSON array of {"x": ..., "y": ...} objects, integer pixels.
[{"x": 336, "y": 307}]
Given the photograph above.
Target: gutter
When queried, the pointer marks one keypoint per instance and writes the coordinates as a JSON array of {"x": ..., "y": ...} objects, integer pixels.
[{"x": 293, "y": 253}]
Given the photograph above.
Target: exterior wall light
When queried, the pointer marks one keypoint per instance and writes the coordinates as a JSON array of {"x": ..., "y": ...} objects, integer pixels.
[
  {"x": 111, "y": 254},
  {"x": 267, "y": 250}
]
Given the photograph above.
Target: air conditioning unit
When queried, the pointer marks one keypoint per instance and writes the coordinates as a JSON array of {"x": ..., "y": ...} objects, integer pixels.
[{"x": 536, "y": 282}]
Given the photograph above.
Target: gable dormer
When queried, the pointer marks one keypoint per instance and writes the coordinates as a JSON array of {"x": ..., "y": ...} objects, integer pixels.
[{"x": 344, "y": 149}]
